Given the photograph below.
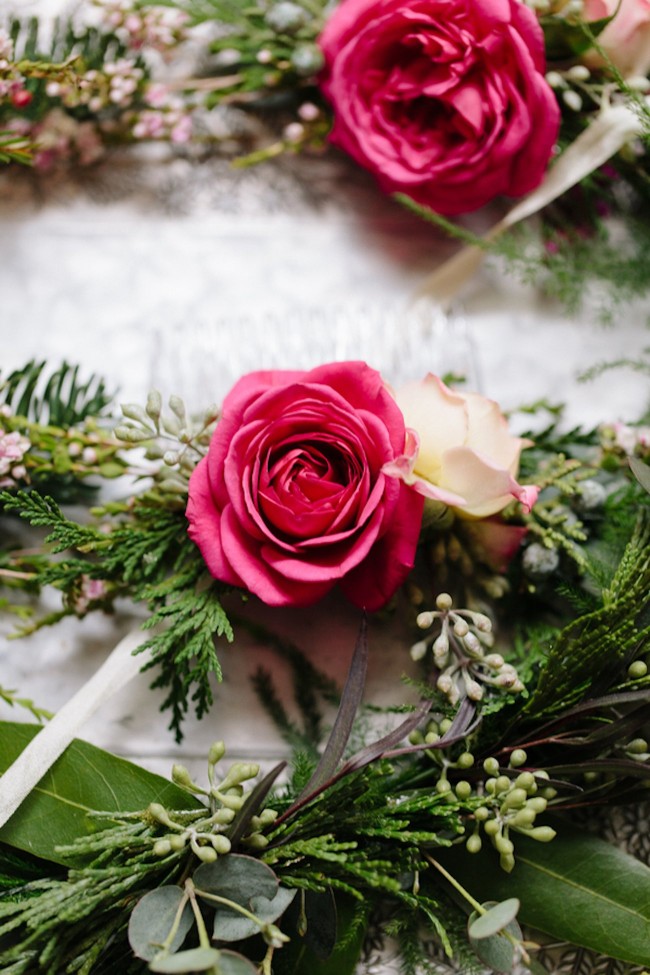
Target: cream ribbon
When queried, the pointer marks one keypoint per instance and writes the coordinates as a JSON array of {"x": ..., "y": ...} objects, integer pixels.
[
  {"x": 614, "y": 126},
  {"x": 120, "y": 667}
]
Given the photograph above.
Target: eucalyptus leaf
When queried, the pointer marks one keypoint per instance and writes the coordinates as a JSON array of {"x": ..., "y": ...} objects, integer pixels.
[
  {"x": 494, "y": 920},
  {"x": 498, "y": 952},
  {"x": 577, "y": 888},
  {"x": 232, "y": 963},
  {"x": 230, "y": 925},
  {"x": 153, "y": 918},
  {"x": 237, "y": 877},
  {"x": 194, "y": 960},
  {"x": 85, "y": 778}
]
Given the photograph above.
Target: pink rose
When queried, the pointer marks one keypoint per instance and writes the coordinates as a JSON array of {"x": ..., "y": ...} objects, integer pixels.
[
  {"x": 626, "y": 40},
  {"x": 444, "y": 100},
  {"x": 292, "y": 497}
]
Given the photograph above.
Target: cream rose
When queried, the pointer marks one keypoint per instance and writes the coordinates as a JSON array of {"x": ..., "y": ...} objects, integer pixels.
[
  {"x": 461, "y": 452},
  {"x": 626, "y": 39}
]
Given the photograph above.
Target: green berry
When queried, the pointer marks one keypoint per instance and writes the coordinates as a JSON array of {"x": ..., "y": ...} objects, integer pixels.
[
  {"x": 549, "y": 792},
  {"x": 524, "y": 818},
  {"x": 177, "y": 842},
  {"x": 526, "y": 780},
  {"x": 507, "y": 862},
  {"x": 481, "y": 814},
  {"x": 515, "y": 799},
  {"x": 161, "y": 848},
  {"x": 518, "y": 757},
  {"x": 492, "y": 827},
  {"x": 463, "y": 789},
  {"x": 637, "y": 747},
  {"x": 537, "y": 803},
  {"x": 543, "y": 834},
  {"x": 503, "y": 845},
  {"x": 256, "y": 841},
  {"x": 216, "y": 753},
  {"x": 466, "y": 760},
  {"x": 445, "y": 725},
  {"x": 491, "y": 766},
  {"x": 474, "y": 844},
  {"x": 220, "y": 843},
  {"x": 637, "y": 670},
  {"x": 502, "y": 784}
]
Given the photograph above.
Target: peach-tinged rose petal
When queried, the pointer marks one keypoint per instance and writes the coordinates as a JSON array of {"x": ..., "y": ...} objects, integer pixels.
[
  {"x": 438, "y": 415},
  {"x": 486, "y": 487},
  {"x": 488, "y": 433}
]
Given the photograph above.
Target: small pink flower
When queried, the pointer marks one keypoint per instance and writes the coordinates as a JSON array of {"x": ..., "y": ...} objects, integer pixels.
[
  {"x": 182, "y": 130},
  {"x": 13, "y": 447}
]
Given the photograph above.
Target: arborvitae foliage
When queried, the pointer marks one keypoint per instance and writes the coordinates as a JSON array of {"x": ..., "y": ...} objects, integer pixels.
[{"x": 149, "y": 557}]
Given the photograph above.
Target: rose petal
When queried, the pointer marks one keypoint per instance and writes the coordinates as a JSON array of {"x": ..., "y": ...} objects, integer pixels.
[{"x": 486, "y": 488}]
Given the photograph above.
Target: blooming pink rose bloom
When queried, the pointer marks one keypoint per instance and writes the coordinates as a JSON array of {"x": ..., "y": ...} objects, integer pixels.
[
  {"x": 626, "y": 40},
  {"x": 444, "y": 100},
  {"x": 292, "y": 497}
]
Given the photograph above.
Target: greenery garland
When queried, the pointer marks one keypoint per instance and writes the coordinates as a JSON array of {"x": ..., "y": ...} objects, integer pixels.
[{"x": 458, "y": 820}]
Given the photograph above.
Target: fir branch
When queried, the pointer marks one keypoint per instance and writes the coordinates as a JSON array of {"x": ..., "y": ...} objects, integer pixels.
[{"x": 59, "y": 398}]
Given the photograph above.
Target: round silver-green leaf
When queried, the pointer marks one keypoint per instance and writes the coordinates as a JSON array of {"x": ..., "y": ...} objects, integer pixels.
[
  {"x": 237, "y": 877},
  {"x": 232, "y": 963},
  {"x": 152, "y": 920},
  {"x": 194, "y": 960},
  {"x": 495, "y": 919},
  {"x": 230, "y": 925}
]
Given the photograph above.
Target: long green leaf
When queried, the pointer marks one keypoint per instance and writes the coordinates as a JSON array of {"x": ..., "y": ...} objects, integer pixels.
[
  {"x": 85, "y": 778},
  {"x": 577, "y": 888}
]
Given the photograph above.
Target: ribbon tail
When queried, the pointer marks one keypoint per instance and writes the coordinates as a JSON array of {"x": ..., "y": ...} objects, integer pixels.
[
  {"x": 614, "y": 126},
  {"x": 35, "y": 760}
]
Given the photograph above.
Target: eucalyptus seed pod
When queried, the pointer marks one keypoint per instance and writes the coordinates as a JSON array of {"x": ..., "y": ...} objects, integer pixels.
[
  {"x": 474, "y": 844},
  {"x": 540, "y": 562},
  {"x": 307, "y": 59},
  {"x": 286, "y": 18}
]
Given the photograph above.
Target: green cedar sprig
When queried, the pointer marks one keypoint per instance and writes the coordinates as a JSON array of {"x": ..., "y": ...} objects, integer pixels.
[
  {"x": 147, "y": 556},
  {"x": 601, "y": 642}
]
